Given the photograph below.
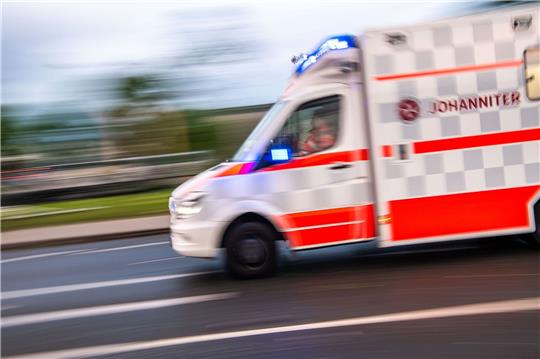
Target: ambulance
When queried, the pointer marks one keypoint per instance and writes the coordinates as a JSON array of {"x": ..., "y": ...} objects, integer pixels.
[{"x": 401, "y": 136}]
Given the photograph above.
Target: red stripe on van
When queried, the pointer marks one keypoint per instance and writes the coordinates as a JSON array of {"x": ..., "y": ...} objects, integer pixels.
[
  {"x": 299, "y": 162},
  {"x": 319, "y": 217},
  {"x": 320, "y": 236},
  {"x": 298, "y": 235},
  {"x": 387, "y": 151},
  {"x": 322, "y": 159},
  {"x": 477, "y": 141},
  {"x": 511, "y": 63},
  {"x": 492, "y": 210}
]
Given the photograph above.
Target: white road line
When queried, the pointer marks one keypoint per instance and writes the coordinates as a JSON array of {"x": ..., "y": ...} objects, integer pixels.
[
  {"x": 120, "y": 248},
  {"x": 11, "y": 321},
  {"x": 493, "y": 275},
  {"x": 156, "y": 260},
  {"x": 17, "y": 259},
  {"x": 94, "y": 285},
  {"x": 507, "y": 306}
]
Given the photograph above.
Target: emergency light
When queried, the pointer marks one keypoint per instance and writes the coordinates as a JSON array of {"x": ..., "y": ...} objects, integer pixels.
[
  {"x": 333, "y": 43},
  {"x": 280, "y": 154}
]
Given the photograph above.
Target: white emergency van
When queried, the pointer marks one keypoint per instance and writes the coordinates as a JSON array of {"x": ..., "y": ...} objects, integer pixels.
[{"x": 400, "y": 136}]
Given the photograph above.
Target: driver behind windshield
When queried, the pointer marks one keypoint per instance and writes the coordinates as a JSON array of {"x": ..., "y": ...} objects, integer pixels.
[{"x": 322, "y": 134}]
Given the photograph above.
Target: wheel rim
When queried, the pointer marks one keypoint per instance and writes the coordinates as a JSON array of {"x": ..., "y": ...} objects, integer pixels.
[{"x": 252, "y": 252}]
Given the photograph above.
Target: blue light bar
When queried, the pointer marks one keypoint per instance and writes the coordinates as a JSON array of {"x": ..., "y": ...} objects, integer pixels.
[{"x": 333, "y": 43}]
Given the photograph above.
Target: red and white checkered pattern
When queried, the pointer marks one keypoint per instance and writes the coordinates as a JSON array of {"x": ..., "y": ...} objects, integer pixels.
[
  {"x": 468, "y": 41},
  {"x": 301, "y": 189}
]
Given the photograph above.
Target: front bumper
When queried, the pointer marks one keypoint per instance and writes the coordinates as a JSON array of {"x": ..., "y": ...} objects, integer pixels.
[{"x": 196, "y": 238}]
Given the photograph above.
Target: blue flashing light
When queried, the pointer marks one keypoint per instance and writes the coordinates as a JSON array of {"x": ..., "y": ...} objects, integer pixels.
[
  {"x": 280, "y": 154},
  {"x": 333, "y": 43}
]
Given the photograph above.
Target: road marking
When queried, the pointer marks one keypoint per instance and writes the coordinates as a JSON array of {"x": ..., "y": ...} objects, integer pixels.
[
  {"x": 120, "y": 248},
  {"x": 156, "y": 260},
  {"x": 94, "y": 285},
  {"x": 17, "y": 259},
  {"x": 506, "y": 306},
  {"x": 493, "y": 275},
  {"x": 11, "y": 321}
]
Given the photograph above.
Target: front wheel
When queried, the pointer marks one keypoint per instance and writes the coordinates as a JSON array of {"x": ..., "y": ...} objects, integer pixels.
[{"x": 251, "y": 250}]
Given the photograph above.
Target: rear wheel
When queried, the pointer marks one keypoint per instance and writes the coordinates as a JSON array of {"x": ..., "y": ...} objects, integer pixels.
[{"x": 251, "y": 250}]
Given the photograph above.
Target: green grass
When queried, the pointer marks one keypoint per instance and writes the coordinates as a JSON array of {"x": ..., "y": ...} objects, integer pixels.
[{"x": 86, "y": 210}]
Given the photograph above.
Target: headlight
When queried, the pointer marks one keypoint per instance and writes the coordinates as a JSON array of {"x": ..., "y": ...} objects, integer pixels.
[{"x": 186, "y": 207}]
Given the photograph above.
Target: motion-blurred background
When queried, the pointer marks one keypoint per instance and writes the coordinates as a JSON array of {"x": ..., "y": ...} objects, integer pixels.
[{"x": 108, "y": 106}]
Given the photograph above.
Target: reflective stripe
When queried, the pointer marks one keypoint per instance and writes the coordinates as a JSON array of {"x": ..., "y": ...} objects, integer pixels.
[
  {"x": 328, "y": 226},
  {"x": 458, "y": 143},
  {"x": 321, "y": 226},
  {"x": 318, "y": 217},
  {"x": 490, "y": 139},
  {"x": 511, "y": 63}
]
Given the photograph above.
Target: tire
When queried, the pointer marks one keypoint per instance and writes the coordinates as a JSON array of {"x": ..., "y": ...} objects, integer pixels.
[
  {"x": 533, "y": 239},
  {"x": 251, "y": 251}
]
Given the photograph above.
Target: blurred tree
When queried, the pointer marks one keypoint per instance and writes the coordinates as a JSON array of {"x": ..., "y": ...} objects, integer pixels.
[
  {"x": 137, "y": 95},
  {"x": 150, "y": 127},
  {"x": 213, "y": 48},
  {"x": 142, "y": 91},
  {"x": 64, "y": 135},
  {"x": 46, "y": 138},
  {"x": 9, "y": 132}
]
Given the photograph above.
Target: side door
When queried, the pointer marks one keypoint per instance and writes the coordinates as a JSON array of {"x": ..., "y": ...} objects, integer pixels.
[{"x": 322, "y": 190}]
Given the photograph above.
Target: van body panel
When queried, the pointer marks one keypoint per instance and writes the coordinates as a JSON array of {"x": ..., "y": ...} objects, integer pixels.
[{"x": 437, "y": 138}]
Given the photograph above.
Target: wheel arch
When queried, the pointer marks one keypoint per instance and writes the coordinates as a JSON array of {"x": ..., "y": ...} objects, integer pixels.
[{"x": 250, "y": 217}]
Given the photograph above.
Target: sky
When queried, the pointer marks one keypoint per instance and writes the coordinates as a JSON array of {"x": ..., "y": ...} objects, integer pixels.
[{"x": 56, "y": 52}]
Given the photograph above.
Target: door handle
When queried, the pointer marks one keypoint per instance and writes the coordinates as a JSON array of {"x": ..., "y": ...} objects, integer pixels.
[{"x": 340, "y": 166}]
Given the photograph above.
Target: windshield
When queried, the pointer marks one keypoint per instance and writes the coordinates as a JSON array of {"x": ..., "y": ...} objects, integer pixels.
[{"x": 248, "y": 150}]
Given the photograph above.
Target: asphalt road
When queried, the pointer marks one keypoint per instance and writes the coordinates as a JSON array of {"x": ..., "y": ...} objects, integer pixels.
[{"x": 134, "y": 298}]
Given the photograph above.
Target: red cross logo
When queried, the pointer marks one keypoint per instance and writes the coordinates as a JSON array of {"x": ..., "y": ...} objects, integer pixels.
[{"x": 408, "y": 109}]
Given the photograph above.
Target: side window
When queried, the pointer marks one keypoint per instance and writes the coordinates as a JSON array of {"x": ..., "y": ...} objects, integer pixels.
[
  {"x": 532, "y": 73},
  {"x": 312, "y": 128}
]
